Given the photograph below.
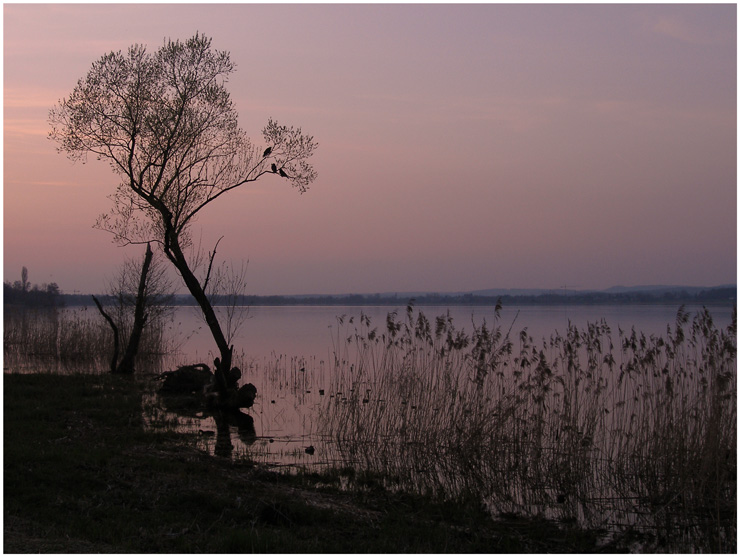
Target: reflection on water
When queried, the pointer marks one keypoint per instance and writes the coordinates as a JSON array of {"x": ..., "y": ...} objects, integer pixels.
[{"x": 290, "y": 393}]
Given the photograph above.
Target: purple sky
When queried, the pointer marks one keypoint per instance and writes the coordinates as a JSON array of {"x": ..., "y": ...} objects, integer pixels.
[{"x": 461, "y": 147}]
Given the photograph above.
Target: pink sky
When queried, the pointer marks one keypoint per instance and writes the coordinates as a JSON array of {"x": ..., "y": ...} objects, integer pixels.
[{"x": 461, "y": 147}]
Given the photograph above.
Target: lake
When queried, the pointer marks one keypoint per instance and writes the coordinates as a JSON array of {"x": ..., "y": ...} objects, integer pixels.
[
  {"x": 309, "y": 331},
  {"x": 275, "y": 343}
]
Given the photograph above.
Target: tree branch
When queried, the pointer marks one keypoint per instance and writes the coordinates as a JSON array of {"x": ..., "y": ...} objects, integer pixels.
[
  {"x": 109, "y": 319},
  {"x": 212, "y": 255}
]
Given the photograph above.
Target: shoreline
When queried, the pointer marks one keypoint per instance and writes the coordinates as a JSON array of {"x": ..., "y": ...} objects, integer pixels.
[{"x": 82, "y": 475}]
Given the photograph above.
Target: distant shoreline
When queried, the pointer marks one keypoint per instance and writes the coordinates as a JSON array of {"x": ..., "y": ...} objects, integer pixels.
[{"x": 724, "y": 296}]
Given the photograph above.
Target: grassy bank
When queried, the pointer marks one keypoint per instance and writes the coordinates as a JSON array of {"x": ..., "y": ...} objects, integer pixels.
[{"x": 82, "y": 475}]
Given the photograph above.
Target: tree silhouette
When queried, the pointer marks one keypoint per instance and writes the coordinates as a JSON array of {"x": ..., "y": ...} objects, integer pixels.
[
  {"x": 138, "y": 296},
  {"x": 166, "y": 124},
  {"x": 24, "y": 279}
]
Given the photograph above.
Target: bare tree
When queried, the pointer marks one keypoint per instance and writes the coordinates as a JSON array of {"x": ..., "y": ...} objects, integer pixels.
[
  {"x": 227, "y": 288},
  {"x": 166, "y": 124},
  {"x": 141, "y": 295}
]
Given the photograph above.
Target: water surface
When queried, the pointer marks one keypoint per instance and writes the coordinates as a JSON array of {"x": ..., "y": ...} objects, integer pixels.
[
  {"x": 287, "y": 353},
  {"x": 311, "y": 331}
]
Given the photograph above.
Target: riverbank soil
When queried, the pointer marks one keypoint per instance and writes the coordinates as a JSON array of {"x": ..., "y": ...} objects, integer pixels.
[{"x": 81, "y": 475}]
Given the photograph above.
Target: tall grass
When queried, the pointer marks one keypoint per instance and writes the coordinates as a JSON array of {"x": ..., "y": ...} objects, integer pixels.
[
  {"x": 58, "y": 340},
  {"x": 641, "y": 435}
]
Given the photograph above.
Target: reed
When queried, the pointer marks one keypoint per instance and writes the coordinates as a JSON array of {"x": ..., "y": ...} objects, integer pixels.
[
  {"x": 59, "y": 340},
  {"x": 612, "y": 431}
]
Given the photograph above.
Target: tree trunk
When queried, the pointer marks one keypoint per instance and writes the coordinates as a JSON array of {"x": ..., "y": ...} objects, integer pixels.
[
  {"x": 127, "y": 362},
  {"x": 222, "y": 366},
  {"x": 108, "y": 318}
]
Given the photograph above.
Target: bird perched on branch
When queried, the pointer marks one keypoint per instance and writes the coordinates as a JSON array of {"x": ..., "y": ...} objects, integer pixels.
[
  {"x": 283, "y": 174},
  {"x": 274, "y": 168},
  {"x": 267, "y": 152}
]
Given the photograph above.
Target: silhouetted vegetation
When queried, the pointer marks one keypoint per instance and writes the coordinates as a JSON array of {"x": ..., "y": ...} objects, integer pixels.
[
  {"x": 626, "y": 433},
  {"x": 141, "y": 295},
  {"x": 719, "y": 295},
  {"x": 167, "y": 125},
  {"x": 619, "y": 438},
  {"x": 66, "y": 340},
  {"x": 21, "y": 293}
]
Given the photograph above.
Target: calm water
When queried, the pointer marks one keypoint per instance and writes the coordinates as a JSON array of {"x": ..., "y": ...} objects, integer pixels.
[
  {"x": 274, "y": 344},
  {"x": 311, "y": 331}
]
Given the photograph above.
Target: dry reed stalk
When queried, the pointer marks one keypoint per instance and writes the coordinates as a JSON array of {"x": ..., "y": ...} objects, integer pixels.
[
  {"x": 70, "y": 339},
  {"x": 565, "y": 429}
]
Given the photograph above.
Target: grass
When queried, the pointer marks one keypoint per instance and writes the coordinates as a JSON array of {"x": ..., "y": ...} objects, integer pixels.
[
  {"x": 637, "y": 436},
  {"x": 81, "y": 474}
]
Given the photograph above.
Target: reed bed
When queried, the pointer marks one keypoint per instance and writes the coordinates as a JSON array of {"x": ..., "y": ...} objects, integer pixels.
[
  {"x": 621, "y": 432},
  {"x": 59, "y": 340}
]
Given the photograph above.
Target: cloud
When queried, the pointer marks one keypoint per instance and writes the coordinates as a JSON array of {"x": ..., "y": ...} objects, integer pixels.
[
  {"x": 26, "y": 110},
  {"x": 29, "y": 98},
  {"x": 514, "y": 113},
  {"x": 45, "y": 184},
  {"x": 20, "y": 128},
  {"x": 688, "y": 32}
]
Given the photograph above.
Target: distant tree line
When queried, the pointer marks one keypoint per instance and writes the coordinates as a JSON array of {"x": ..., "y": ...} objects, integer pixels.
[
  {"x": 22, "y": 293},
  {"x": 721, "y": 295},
  {"x": 709, "y": 296}
]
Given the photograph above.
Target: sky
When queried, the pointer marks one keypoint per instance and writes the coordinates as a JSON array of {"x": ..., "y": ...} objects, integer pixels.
[{"x": 461, "y": 147}]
